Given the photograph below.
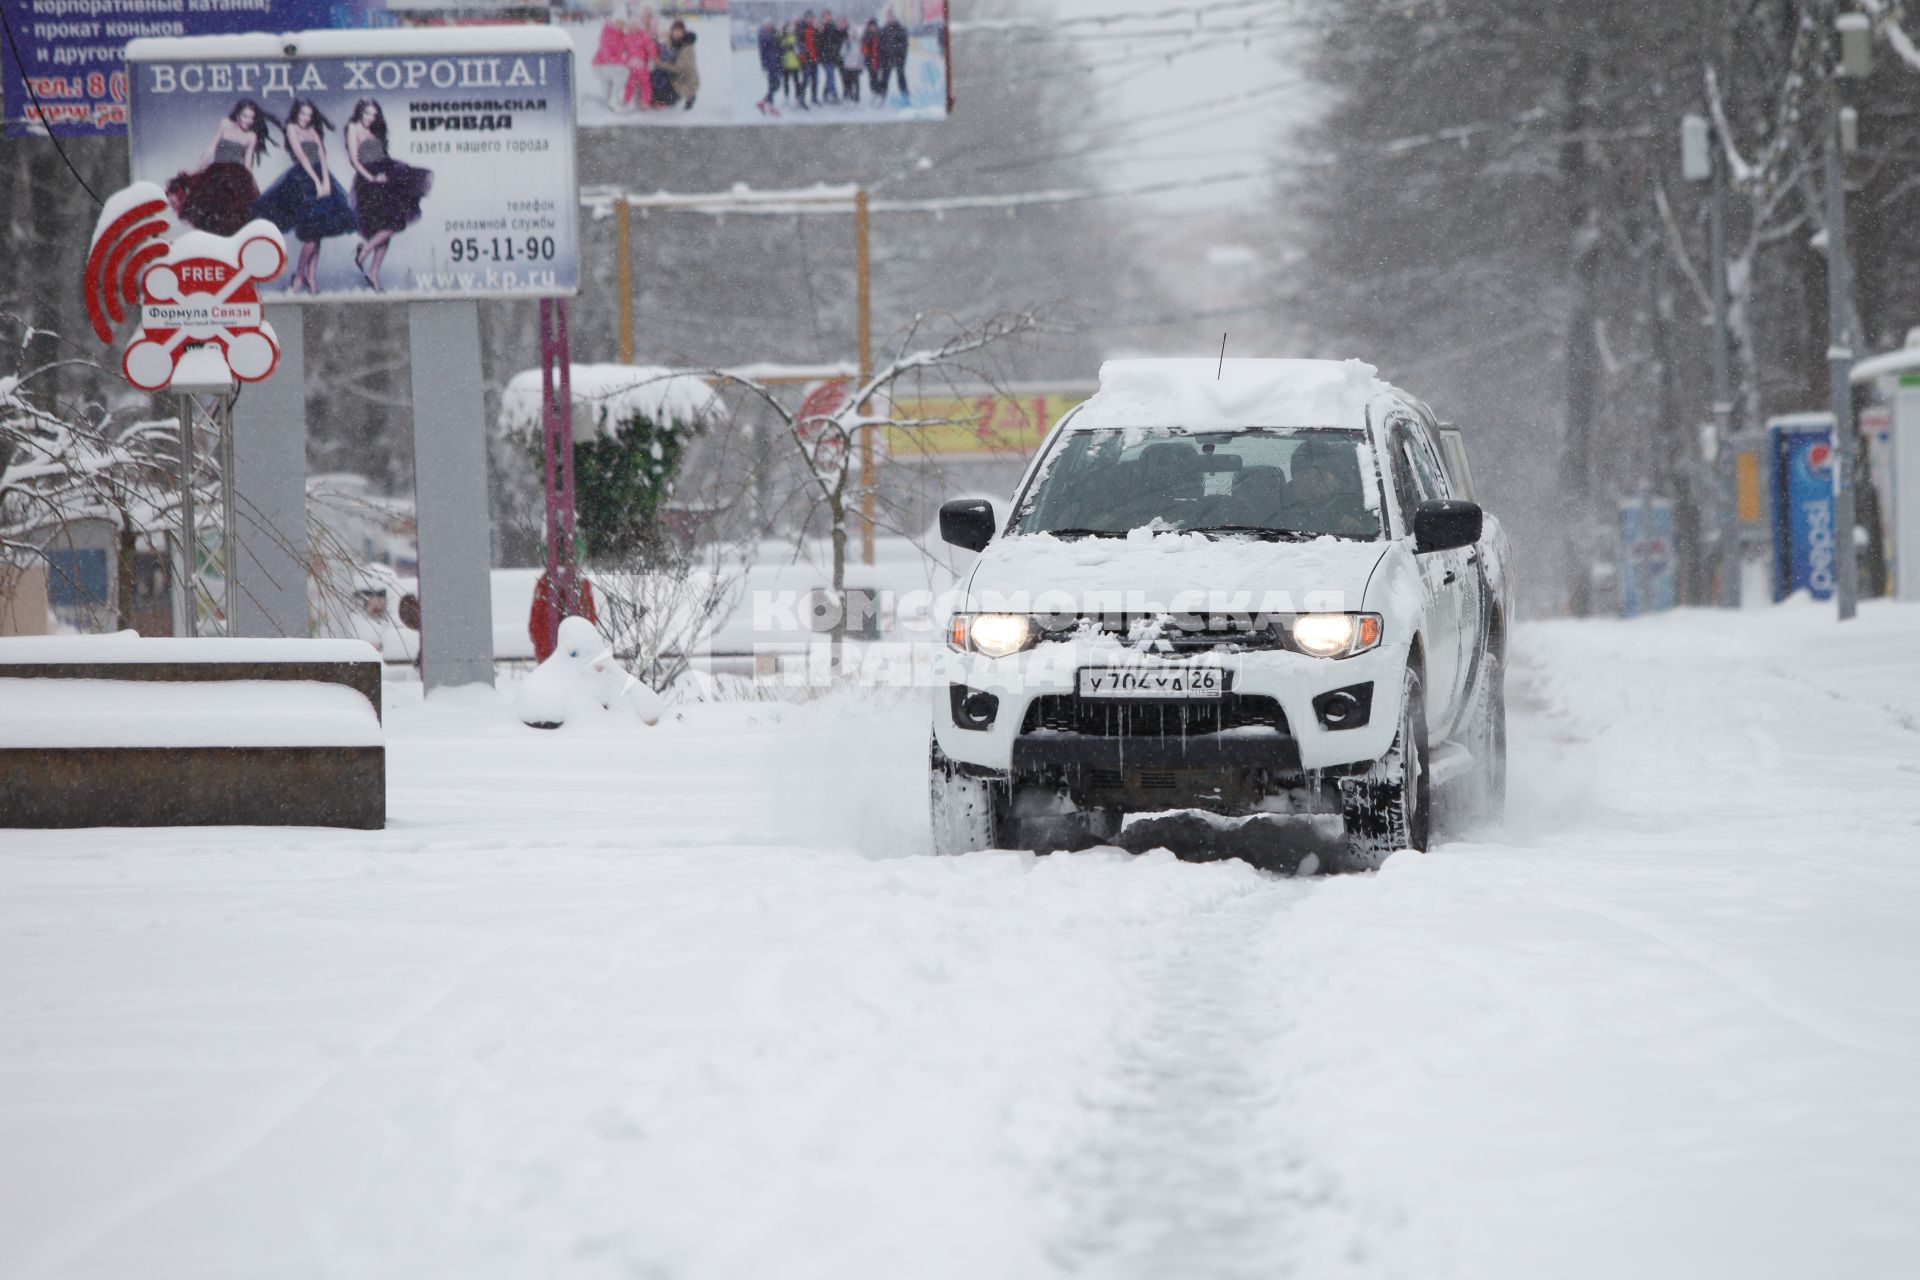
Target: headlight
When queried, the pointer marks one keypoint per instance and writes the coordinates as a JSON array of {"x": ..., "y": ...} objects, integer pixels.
[
  {"x": 1336, "y": 635},
  {"x": 994, "y": 635}
]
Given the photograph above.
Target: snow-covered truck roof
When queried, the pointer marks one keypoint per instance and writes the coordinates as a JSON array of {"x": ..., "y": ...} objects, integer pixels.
[{"x": 1216, "y": 395}]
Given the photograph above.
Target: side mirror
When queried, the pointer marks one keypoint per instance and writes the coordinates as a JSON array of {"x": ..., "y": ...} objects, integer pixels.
[
  {"x": 1444, "y": 525},
  {"x": 969, "y": 523}
]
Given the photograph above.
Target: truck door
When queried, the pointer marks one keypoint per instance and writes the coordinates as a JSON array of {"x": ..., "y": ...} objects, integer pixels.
[
  {"x": 1440, "y": 600},
  {"x": 1461, "y": 577}
]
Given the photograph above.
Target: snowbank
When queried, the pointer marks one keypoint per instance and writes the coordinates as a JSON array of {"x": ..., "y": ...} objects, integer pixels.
[
  {"x": 185, "y": 713},
  {"x": 689, "y": 1002},
  {"x": 129, "y": 646}
]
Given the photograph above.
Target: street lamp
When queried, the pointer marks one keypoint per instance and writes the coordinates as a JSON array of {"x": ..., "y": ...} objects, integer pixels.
[
  {"x": 1854, "y": 36},
  {"x": 1698, "y": 164}
]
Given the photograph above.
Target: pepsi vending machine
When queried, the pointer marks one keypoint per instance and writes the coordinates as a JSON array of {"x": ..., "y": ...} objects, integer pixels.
[{"x": 1800, "y": 460}]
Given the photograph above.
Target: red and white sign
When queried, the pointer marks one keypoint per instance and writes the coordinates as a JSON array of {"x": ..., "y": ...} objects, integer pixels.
[{"x": 197, "y": 293}]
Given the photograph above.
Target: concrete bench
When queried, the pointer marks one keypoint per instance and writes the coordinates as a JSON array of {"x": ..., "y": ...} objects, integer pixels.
[{"x": 100, "y": 731}]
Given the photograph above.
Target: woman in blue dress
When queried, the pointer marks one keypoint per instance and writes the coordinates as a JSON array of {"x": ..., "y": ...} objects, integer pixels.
[
  {"x": 386, "y": 192},
  {"x": 306, "y": 200}
]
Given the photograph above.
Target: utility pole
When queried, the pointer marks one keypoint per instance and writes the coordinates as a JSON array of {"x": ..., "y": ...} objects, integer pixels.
[
  {"x": 1700, "y": 161},
  {"x": 1854, "y": 34},
  {"x": 623, "y": 225},
  {"x": 1730, "y": 557},
  {"x": 1730, "y": 552},
  {"x": 863, "y": 272}
]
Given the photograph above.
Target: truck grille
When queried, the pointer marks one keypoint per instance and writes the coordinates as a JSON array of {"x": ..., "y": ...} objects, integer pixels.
[
  {"x": 1151, "y": 718},
  {"x": 1171, "y": 638}
]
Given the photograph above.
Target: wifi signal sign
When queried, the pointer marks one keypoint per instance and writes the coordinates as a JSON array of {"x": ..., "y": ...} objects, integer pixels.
[
  {"x": 123, "y": 249},
  {"x": 194, "y": 291}
]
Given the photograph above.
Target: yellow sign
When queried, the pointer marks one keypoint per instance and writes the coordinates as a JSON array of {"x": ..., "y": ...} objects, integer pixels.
[
  {"x": 1746, "y": 482},
  {"x": 984, "y": 426}
]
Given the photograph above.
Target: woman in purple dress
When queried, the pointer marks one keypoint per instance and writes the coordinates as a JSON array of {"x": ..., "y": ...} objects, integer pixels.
[
  {"x": 307, "y": 200},
  {"x": 217, "y": 195},
  {"x": 386, "y": 192}
]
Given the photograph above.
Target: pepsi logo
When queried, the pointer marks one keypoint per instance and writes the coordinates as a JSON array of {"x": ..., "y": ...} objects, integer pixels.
[{"x": 1820, "y": 457}]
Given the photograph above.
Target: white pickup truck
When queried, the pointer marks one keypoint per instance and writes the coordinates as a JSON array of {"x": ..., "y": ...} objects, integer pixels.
[{"x": 1245, "y": 587}]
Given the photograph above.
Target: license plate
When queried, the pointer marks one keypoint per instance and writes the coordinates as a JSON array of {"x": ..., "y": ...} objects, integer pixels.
[{"x": 1152, "y": 682}]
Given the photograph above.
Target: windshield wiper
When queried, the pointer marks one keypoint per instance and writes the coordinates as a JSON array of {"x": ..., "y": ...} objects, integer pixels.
[
  {"x": 1260, "y": 531},
  {"x": 1084, "y": 533}
]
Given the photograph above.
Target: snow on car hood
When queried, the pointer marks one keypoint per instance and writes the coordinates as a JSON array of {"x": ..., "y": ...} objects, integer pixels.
[{"x": 1147, "y": 572}]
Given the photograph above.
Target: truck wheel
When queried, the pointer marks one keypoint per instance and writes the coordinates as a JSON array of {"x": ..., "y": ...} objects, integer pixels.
[
  {"x": 1389, "y": 807},
  {"x": 968, "y": 813},
  {"x": 1487, "y": 740}
]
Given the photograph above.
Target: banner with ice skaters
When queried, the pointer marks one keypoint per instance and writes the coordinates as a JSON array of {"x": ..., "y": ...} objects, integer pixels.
[
  {"x": 379, "y": 155},
  {"x": 675, "y": 63}
]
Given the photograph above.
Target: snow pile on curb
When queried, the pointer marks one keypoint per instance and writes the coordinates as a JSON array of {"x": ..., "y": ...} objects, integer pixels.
[{"x": 606, "y": 396}]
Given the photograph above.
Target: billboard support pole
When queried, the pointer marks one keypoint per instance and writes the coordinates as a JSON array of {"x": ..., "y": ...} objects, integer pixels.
[
  {"x": 270, "y": 475},
  {"x": 450, "y": 493},
  {"x": 863, "y": 271},
  {"x": 623, "y": 223}
]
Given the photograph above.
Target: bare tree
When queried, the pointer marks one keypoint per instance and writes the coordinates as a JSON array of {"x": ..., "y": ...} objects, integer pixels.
[
  {"x": 826, "y": 433},
  {"x": 659, "y": 618},
  {"x": 66, "y": 461}
]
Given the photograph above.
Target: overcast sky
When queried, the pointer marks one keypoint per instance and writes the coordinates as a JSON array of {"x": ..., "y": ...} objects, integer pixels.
[{"x": 1159, "y": 86}]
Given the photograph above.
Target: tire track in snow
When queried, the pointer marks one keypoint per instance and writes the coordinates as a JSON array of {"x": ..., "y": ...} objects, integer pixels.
[{"x": 1185, "y": 1169}]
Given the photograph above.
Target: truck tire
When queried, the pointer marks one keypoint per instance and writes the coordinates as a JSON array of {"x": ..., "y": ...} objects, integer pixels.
[
  {"x": 1390, "y": 806},
  {"x": 1487, "y": 740},
  {"x": 969, "y": 813}
]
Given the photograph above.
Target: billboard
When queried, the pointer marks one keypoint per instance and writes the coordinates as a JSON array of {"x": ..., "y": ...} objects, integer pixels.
[
  {"x": 71, "y": 51},
  {"x": 1004, "y": 426},
  {"x": 381, "y": 155},
  {"x": 1801, "y": 464},
  {"x": 681, "y": 63}
]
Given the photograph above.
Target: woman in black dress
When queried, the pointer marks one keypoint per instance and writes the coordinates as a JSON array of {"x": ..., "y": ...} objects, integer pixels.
[
  {"x": 306, "y": 200},
  {"x": 386, "y": 192},
  {"x": 217, "y": 195}
]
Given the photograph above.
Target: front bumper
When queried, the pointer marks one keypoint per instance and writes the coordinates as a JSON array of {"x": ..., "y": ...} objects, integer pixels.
[{"x": 1019, "y": 738}]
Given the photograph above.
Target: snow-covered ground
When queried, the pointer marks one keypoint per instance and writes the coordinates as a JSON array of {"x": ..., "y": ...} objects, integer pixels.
[{"x": 692, "y": 1002}]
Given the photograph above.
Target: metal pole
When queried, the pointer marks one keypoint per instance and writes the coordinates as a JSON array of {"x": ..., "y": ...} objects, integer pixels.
[
  {"x": 189, "y": 620},
  {"x": 863, "y": 271},
  {"x": 229, "y": 537},
  {"x": 549, "y": 438},
  {"x": 565, "y": 523},
  {"x": 623, "y": 221},
  {"x": 556, "y": 444},
  {"x": 1840, "y": 361},
  {"x": 1730, "y": 556}
]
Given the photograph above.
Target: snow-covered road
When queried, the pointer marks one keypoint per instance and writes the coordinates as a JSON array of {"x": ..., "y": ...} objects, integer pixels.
[{"x": 693, "y": 1002}]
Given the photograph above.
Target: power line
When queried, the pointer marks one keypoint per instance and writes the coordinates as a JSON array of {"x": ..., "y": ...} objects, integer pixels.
[
  {"x": 1196, "y": 11},
  {"x": 824, "y": 199}
]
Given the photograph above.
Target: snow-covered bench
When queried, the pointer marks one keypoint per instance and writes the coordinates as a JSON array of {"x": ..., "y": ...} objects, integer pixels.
[{"x": 125, "y": 731}]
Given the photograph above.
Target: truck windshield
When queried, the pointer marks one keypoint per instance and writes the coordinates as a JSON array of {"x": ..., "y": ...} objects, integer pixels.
[{"x": 1271, "y": 482}]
